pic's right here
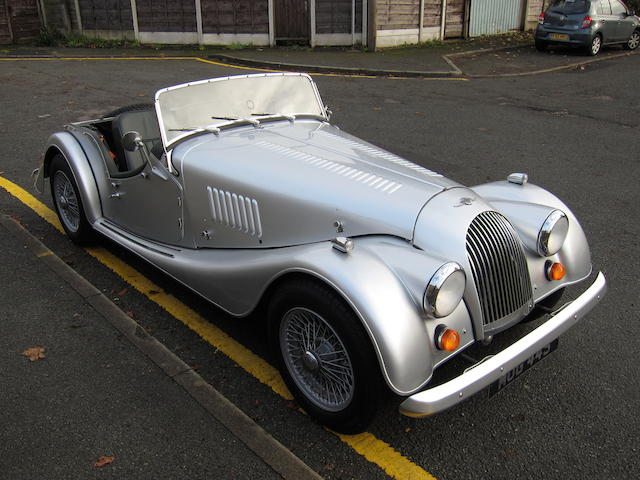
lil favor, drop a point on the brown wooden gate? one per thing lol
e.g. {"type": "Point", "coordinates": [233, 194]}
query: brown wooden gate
{"type": "Point", "coordinates": [292, 21]}
{"type": "Point", "coordinates": [19, 20]}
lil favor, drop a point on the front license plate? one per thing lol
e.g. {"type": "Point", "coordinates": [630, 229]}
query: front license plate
{"type": "Point", "coordinates": [518, 370]}
{"type": "Point", "coordinates": [559, 36]}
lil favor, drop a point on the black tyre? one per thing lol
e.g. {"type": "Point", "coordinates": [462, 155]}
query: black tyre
{"type": "Point", "coordinates": [541, 46]}
{"type": "Point", "coordinates": [546, 306]}
{"type": "Point", "coordinates": [136, 107]}
{"type": "Point", "coordinates": [68, 203]}
{"type": "Point", "coordinates": [325, 356]}
{"type": "Point", "coordinates": [595, 45]}
{"type": "Point", "coordinates": [634, 41]}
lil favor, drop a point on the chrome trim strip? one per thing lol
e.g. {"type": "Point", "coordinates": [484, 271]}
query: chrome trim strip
{"type": "Point", "coordinates": [437, 399]}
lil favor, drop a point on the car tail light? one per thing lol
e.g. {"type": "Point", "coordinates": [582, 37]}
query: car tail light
{"type": "Point", "coordinates": [586, 22]}
{"type": "Point", "coordinates": [541, 18]}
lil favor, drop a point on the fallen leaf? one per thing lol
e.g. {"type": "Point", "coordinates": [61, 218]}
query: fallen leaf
{"type": "Point", "coordinates": [34, 353]}
{"type": "Point", "coordinates": [153, 292]}
{"type": "Point", "coordinates": [130, 314]}
{"type": "Point", "coordinates": [122, 292]}
{"type": "Point", "coordinates": [102, 461]}
{"type": "Point", "coordinates": [407, 430]}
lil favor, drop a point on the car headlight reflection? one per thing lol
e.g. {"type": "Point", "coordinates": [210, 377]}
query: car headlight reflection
{"type": "Point", "coordinates": [444, 290]}
{"type": "Point", "coordinates": [553, 233]}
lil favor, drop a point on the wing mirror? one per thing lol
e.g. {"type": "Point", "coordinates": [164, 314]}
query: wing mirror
{"type": "Point", "coordinates": [132, 141]}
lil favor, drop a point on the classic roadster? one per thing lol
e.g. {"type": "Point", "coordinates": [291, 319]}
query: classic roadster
{"type": "Point", "coordinates": [373, 270]}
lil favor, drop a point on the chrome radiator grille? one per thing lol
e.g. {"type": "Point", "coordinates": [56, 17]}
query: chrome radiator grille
{"type": "Point", "coordinates": [499, 268]}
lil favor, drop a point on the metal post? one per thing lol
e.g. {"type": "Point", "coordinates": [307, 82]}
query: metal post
{"type": "Point", "coordinates": [134, 18]}
{"type": "Point", "coordinates": [199, 21]}
{"type": "Point", "coordinates": [372, 25]}
{"type": "Point", "coordinates": [443, 20]}
{"type": "Point", "coordinates": [272, 32]}
{"type": "Point", "coordinates": [43, 11]}
{"type": "Point", "coordinates": [78, 15]}
{"type": "Point", "coordinates": [8, 14]}
{"type": "Point", "coordinates": [353, 22]}
{"type": "Point", "coordinates": [312, 6]}
{"type": "Point", "coordinates": [364, 22]}
{"type": "Point", "coordinates": [421, 23]}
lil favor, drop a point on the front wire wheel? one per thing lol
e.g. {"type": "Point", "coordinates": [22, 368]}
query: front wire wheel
{"type": "Point", "coordinates": [325, 356]}
{"type": "Point", "coordinates": [317, 359]}
{"type": "Point", "coordinates": [67, 202]}
{"type": "Point", "coordinates": [634, 41]}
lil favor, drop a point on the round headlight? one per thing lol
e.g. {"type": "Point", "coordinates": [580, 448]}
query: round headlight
{"type": "Point", "coordinates": [553, 233]}
{"type": "Point", "coordinates": [444, 290]}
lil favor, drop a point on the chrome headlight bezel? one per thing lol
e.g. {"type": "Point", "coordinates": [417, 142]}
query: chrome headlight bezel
{"type": "Point", "coordinates": [449, 280]}
{"type": "Point", "coordinates": [552, 234]}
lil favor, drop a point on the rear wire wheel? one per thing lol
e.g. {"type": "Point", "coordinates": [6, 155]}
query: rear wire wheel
{"type": "Point", "coordinates": [325, 356]}
{"type": "Point", "coordinates": [68, 203]}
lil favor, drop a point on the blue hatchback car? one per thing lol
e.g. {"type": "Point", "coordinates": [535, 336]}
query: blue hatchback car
{"type": "Point", "coordinates": [588, 24]}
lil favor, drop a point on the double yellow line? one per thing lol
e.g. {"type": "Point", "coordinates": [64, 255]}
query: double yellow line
{"type": "Point", "coordinates": [366, 444]}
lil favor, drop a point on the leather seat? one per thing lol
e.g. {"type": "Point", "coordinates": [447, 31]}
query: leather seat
{"type": "Point", "coordinates": [145, 123]}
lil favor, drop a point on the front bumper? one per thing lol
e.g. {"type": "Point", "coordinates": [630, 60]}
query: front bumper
{"type": "Point", "coordinates": [437, 399]}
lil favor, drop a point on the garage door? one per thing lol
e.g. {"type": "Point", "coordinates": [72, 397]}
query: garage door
{"type": "Point", "coordinates": [487, 17]}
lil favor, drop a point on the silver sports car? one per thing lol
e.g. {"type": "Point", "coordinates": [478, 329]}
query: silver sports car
{"type": "Point", "coordinates": [373, 270]}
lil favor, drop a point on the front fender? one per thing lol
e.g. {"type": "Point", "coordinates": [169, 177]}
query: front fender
{"type": "Point", "coordinates": [75, 153]}
{"type": "Point", "coordinates": [383, 279]}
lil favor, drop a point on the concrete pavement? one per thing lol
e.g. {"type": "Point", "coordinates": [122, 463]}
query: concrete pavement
{"type": "Point", "coordinates": [89, 396]}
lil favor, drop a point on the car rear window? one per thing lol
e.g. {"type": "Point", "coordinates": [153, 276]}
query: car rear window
{"type": "Point", "coordinates": [571, 6]}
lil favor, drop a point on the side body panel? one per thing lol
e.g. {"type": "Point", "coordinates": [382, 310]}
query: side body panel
{"type": "Point", "coordinates": [148, 204]}
{"type": "Point", "coordinates": [381, 278]}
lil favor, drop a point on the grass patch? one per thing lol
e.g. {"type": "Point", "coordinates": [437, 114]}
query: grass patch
{"type": "Point", "coordinates": [51, 37]}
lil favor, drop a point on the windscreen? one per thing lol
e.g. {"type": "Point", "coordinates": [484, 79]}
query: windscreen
{"type": "Point", "coordinates": [214, 102]}
{"type": "Point", "coordinates": [570, 6]}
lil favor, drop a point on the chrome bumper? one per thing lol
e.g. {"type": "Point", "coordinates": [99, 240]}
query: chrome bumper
{"type": "Point", "coordinates": [437, 399]}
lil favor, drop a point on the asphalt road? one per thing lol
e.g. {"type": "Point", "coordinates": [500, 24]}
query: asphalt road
{"type": "Point", "coordinates": [574, 132]}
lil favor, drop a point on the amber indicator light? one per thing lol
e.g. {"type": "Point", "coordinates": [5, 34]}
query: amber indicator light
{"type": "Point", "coordinates": [447, 338]}
{"type": "Point", "coordinates": [556, 271]}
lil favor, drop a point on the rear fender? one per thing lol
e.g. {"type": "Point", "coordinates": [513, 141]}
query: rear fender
{"type": "Point", "coordinates": [75, 153]}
